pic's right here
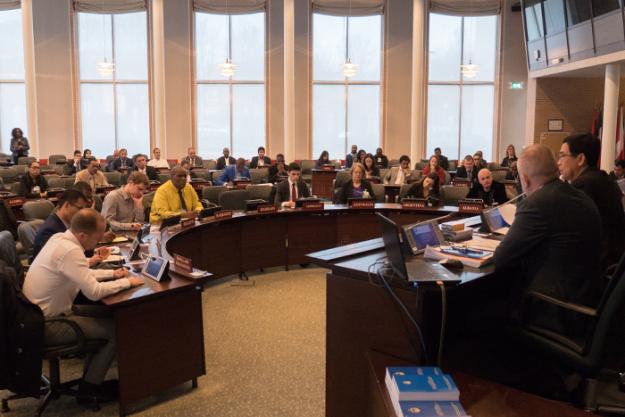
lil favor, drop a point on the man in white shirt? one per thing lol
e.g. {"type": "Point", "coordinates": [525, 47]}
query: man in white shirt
{"type": "Point", "coordinates": [156, 161]}
{"type": "Point", "coordinates": [288, 192]}
{"type": "Point", "coordinates": [56, 276]}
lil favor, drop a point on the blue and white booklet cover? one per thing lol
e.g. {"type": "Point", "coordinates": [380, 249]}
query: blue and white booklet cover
{"type": "Point", "coordinates": [429, 409]}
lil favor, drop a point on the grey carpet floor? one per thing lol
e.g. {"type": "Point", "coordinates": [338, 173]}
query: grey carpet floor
{"type": "Point", "coordinates": [265, 355]}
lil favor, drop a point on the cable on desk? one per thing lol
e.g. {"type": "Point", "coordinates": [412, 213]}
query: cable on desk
{"type": "Point", "coordinates": [380, 274]}
{"type": "Point", "coordinates": [443, 322]}
{"type": "Point", "coordinates": [379, 261]}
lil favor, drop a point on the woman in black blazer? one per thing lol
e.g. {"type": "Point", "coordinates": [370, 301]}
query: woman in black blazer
{"type": "Point", "coordinates": [371, 168]}
{"type": "Point", "coordinates": [427, 188]}
{"type": "Point", "coordinates": [324, 158]}
{"type": "Point", "coordinates": [510, 156]}
{"type": "Point", "coordinates": [357, 187]}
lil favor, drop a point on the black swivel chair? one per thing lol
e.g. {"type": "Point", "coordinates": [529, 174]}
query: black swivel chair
{"type": "Point", "coordinates": [600, 347]}
{"type": "Point", "coordinates": [20, 325]}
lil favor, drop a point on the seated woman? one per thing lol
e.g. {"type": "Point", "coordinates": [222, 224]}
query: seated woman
{"type": "Point", "coordinates": [434, 166]}
{"type": "Point", "coordinates": [357, 187]}
{"type": "Point", "coordinates": [510, 156]}
{"type": "Point", "coordinates": [371, 168]}
{"type": "Point", "coordinates": [324, 159]}
{"type": "Point", "coordinates": [86, 159]}
{"type": "Point", "coordinates": [360, 156]}
{"type": "Point", "coordinates": [428, 188]}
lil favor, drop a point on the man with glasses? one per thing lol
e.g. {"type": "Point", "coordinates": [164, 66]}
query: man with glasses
{"type": "Point", "coordinates": [577, 162]}
{"type": "Point", "coordinates": [141, 165]}
{"type": "Point", "coordinates": [59, 220]}
{"type": "Point", "coordinates": [92, 176]}
{"type": "Point", "coordinates": [123, 208]}
{"type": "Point", "coordinates": [33, 184]}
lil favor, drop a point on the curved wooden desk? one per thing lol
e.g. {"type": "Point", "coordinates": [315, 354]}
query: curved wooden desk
{"type": "Point", "coordinates": [252, 241]}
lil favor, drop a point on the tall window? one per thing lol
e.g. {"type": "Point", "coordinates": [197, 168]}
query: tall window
{"type": "Point", "coordinates": [12, 91]}
{"type": "Point", "coordinates": [461, 106]}
{"type": "Point", "coordinates": [113, 68]}
{"type": "Point", "coordinates": [346, 110]}
{"type": "Point", "coordinates": [230, 109]}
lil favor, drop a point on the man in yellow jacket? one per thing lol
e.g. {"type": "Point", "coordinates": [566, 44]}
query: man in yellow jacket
{"type": "Point", "coordinates": [175, 197]}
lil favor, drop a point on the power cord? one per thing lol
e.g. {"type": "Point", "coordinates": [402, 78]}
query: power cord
{"type": "Point", "coordinates": [380, 273]}
{"type": "Point", "coordinates": [443, 322]}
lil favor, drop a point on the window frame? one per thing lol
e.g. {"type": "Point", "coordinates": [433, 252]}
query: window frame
{"type": "Point", "coordinates": [229, 82]}
{"type": "Point", "coordinates": [77, 82]}
{"type": "Point", "coordinates": [21, 81]}
{"type": "Point", "coordinates": [346, 83]}
{"type": "Point", "coordinates": [496, 83]}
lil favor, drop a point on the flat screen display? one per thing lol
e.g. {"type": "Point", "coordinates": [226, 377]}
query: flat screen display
{"type": "Point", "coordinates": [154, 266]}
{"type": "Point", "coordinates": [424, 235]}
{"type": "Point", "coordinates": [495, 219]}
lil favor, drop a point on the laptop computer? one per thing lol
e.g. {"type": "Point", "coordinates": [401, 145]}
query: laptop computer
{"type": "Point", "coordinates": [423, 234]}
{"type": "Point", "coordinates": [412, 271]}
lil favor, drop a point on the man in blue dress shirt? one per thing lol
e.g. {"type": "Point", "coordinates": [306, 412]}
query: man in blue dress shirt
{"type": "Point", "coordinates": [233, 172]}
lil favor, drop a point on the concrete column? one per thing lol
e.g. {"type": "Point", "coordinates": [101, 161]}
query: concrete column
{"type": "Point", "coordinates": [530, 113]}
{"type": "Point", "coordinates": [29, 77]}
{"type": "Point", "coordinates": [610, 114]}
{"type": "Point", "coordinates": [418, 114]}
{"type": "Point", "coordinates": [289, 80]}
{"type": "Point", "coordinates": [158, 65]}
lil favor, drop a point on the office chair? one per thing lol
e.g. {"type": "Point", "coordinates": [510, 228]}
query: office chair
{"type": "Point", "coordinates": [113, 178]}
{"type": "Point", "coordinates": [25, 160]}
{"type": "Point", "coordinates": [450, 194]}
{"type": "Point", "coordinates": [262, 192]}
{"type": "Point", "coordinates": [212, 193]}
{"type": "Point", "coordinates": [148, 198]}
{"type": "Point", "coordinates": [201, 173]}
{"type": "Point", "coordinates": [52, 159]}
{"type": "Point", "coordinates": [39, 209]}
{"type": "Point", "coordinates": [209, 164]}
{"type": "Point", "coordinates": [259, 175]}
{"type": "Point", "coordinates": [24, 325]}
{"type": "Point", "coordinates": [342, 177]}
{"type": "Point", "coordinates": [307, 166]}
{"type": "Point", "coordinates": [163, 177]}
{"type": "Point", "coordinates": [26, 233]}
{"type": "Point", "coordinates": [234, 200]}
{"type": "Point", "coordinates": [587, 354]}
{"type": "Point", "coordinates": [8, 175]}
{"type": "Point", "coordinates": [378, 190]}
{"type": "Point", "coordinates": [216, 175]}
{"type": "Point", "coordinates": [56, 182]}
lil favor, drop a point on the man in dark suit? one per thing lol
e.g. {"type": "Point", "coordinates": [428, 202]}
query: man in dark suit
{"type": "Point", "coordinates": [123, 163]}
{"type": "Point", "coordinates": [468, 169]}
{"type": "Point", "coordinates": [278, 171]}
{"type": "Point", "coordinates": [192, 158]}
{"type": "Point", "coordinates": [619, 170]}
{"type": "Point", "coordinates": [488, 189]}
{"type": "Point", "coordinates": [225, 160]}
{"type": "Point", "coordinates": [287, 192]}
{"type": "Point", "coordinates": [443, 161]}
{"type": "Point", "coordinates": [351, 157]}
{"type": "Point", "coordinates": [33, 184]}
{"type": "Point", "coordinates": [59, 220]}
{"type": "Point", "coordinates": [577, 163]}
{"type": "Point", "coordinates": [141, 165]}
{"type": "Point", "coordinates": [554, 241]}
{"type": "Point", "coordinates": [261, 160]}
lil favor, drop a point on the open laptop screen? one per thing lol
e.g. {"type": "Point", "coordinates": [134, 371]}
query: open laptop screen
{"type": "Point", "coordinates": [495, 220]}
{"type": "Point", "coordinates": [392, 244]}
{"type": "Point", "coordinates": [422, 235]}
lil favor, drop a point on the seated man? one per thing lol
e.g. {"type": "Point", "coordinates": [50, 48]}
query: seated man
{"type": "Point", "coordinates": [123, 163]}
{"type": "Point", "coordinates": [234, 172]}
{"type": "Point", "coordinates": [480, 162]}
{"type": "Point", "coordinates": [57, 275]}
{"type": "Point", "coordinates": [156, 161]}
{"type": "Point", "coordinates": [73, 165]}
{"type": "Point", "coordinates": [467, 170]}
{"type": "Point", "coordinates": [33, 184]}
{"type": "Point", "coordinates": [350, 158]}
{"type": "Point", "coordinates": [140, 162]}
{"type": "Point", "coordinates": [175, 197]}
{"type": "Point", "coordinates": [554, 242]}
{"type": "Point", "coordinates": [381, 160]}
{"type": "Point", "coordinates": [577, 162]}
{"type": "Point", "coordinates": [278, 171]}
{"type": "Point", "coordinates": [260, 160]}
{"type": "Point", "coordinates": [123, 208]}
{"type": "Point", "coordinates": [443, 161]}
{"type": "Point", "coordinates": [110, 160]}
{"type": "Point", "coordinates": [225, 160]}
{"type": "Point", "coordinates": [488, 189]}
{"type": "Point", "coordinates": [619, 170]}
{"type": "Point", "coordinates": [287, 192]}
{"type": "Point", "coordinates": [192, 158]}
{"type": "Point", "coordinates": [400, 175]}
{"type": "Point", "coordinates": [93, 176]}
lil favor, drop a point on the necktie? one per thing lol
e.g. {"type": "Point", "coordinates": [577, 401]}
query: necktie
{"type": "Point", "coordinates": [293, 192]}
{"type": "Point", "coordinates": [183, 204]}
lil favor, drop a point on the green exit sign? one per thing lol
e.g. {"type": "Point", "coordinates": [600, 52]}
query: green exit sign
{"type": "Point", "coordinates": [516, 85]}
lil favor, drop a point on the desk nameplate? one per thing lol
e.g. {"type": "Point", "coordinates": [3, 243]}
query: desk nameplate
{"type": "Point", "coordinates": [182, 263]}
{"type": "Point", "coordinates": [223, 214]}
{"type": "Point", "coordinates": [470, 206]}
{"type": "Point", "coordinates": [266, 208]}
{"type": "Point", "coordinates": [361, 203]}
{"type": "Point", "coordinates": [187, 223]}
{"type": "Point", "coordinates": [414, 203]}
{"type": "Point", "coordinates": [312, 205]}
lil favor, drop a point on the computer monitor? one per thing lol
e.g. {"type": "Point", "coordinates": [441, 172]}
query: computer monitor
{"type": "Point", "coordinates": [423, 234]}
{"type": "Point", "coordinates": [155, 268]}
{"type": "Point", "coordinates": [494, 221]}
{"type": "Point", "coordinates": [392, 244]}
{"type": "Point", "coordinates": [143, 232]}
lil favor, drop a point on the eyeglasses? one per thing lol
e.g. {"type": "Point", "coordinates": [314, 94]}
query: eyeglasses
{"type": "Point", "coordinates": [564, 155]}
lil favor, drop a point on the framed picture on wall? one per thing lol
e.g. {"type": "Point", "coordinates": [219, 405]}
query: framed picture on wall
{"type": "Point", "coordinates": [555, 125]}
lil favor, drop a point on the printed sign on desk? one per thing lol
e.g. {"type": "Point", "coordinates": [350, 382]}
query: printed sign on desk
{"type": "Point", "coordinates": [223, 214]}
{"type": "Point", "coordinates": [361, 203]}
{"type": "Point", "coordinates": [414, 203]}
{"type": "Point", "coordinates": [183, 264]}
{"type": "Point", "coordinates": [186, 223]}
{"type": "Point", "coordinates": [266, 208]}
{"type": "Point", "coordinates": [470, 206]}
{"type": "Point", "coordinates": [312, 205]}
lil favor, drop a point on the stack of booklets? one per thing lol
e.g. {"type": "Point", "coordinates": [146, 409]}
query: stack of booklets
{"type": "Point", "coordinates": [423, 391]}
